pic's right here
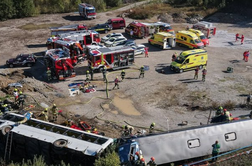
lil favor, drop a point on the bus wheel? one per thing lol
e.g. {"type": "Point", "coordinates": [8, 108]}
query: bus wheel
{"type": "Point", "coordinates": [6, 129]}
{"type": "Point", "coordinates": [60, 143]}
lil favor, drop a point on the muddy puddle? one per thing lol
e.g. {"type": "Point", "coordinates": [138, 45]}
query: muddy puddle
{"type": "Point", "coordinates": [125, 106]}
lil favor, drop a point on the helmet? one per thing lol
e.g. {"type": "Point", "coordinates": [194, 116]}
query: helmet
{"type": "Point", "coordinates": [48, 68]}
{"type": "Point", "coordinates": [54, 105]}
{"type": "Point", "coordinates": [88, 71]}
{"type": "Point", "coordinates": [225, 110]}
{"type": "Point", "coordinates": [220, 107]}
{"type": "Point", "coordinates": [46, 109]}
{"type": "Point", "coordinates": [142, 159]}
{"type": "Point", "coordinates": [95, 129]}
{"type": "Point", "coordinates": [153, 123]}
{"type": "Point", "coordinates": [116, 76]}
{"type": "Point", "coordinates": [137, 153]}
{"type": "Point", "coordinates": [15, 90]}
{"type": "Point", "coordinates": [122, 70]}
{"type": "Point", "coordinates": [142, 66]}
{"type": "Point", "coordinates": [152, 159]}
{"type": "Point", "coordinates": [5, 105]}
{"type": "Point", "coordinates": [20, 92]}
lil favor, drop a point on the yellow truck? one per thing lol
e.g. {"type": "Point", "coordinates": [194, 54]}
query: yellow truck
{"type": "Point", "coordinates": [188, 39]}
{"type": "Point", "coordinates": [163, 40]}
{"type": "Point", "coordinates": [190, 60]}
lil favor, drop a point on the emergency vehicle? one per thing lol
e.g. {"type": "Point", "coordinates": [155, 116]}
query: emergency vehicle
{"type": "Point", "coordinates": [201, 36]}
{"type": "Point", "coordinates": [117, 23]}
{"type": "Point", "coordinates": [190, 60]}
{"type": "Point", "coordinates": [85, 37]}
{"type": "Point", "coordinates": [163, 40]}
{"type": "Point", "coordinates": [161, 26]}
{"type": "Point", "coordinates": [112, 58]}
{"type": "Point", "coordinates": [139, 30]}
{"type": "Point", "coordinates": [75, 49]}
{"type": "Point", "coordinates": [60, 63]}
{"type": "Point", "coordinates": [68, 28]}
{"type": "Point", "coordinates": [206, 27]}
{"type": "Point", "coordinates": [87, 11]}
{"type": "Point", "coordinates": [188, 39]}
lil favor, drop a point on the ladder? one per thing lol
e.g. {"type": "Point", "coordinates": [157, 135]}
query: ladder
{"type": "Point", "coordinates": [7, 152]}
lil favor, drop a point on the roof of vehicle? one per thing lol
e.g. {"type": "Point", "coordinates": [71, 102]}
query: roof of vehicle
{"type": "Point", "coordinates": [57, 54]}
{"type": "Point", "coordinates": [192, 52]}
{"type": "Point", "coordinates": [135, 23]}
{"type": "Point", "coordinates": [115, 19]}
{"type": "Point", "coordinates": [198, 32]}
{"type": "Point", "coordinates": [188, 33]}
{"type": "Point", "coordinates": [106, 50]}
{"type": "Point", "coordinates": [157, 24]}
{"type": "Point", "coordinates": [66, 27]}
{"type": "Point", "coordinates": [164, 34]}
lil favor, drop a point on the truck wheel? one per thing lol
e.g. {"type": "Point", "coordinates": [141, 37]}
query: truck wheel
{"type": "Point", "coordinates": [60, 143]}
{"type": "Point", "coordinates": [200, 67]}
{"type": "Point", "coordinates": [181, 70]}
{"type": "Point", "coordinates": [29, 64]}
{"type": "Point", "coordinates": [11, 65]}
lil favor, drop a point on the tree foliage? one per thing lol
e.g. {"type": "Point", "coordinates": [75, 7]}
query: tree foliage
{"type": "Point", "coordinates": [111, 159]}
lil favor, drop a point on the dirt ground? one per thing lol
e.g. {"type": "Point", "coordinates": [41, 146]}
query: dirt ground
{"type": "Point", "coordinates": [166, 98]}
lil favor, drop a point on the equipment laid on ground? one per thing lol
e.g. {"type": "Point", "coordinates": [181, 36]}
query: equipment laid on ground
{"type": "Point", "coordinates": [188, 39]}
{"type": "Point", "coordinates": [163, 40]}
{"type": "Point", "coordinates": [189, 60]}
{"type": "Point", "coordinates": [67, 28]}
{"type": "Point", "coordinates": [206, 27]}
{"type": "Point", "coordinates": [54, 142]}
{"type": "Point", "coordinates": [181, 145]}
{"type": "Point", "coordinates": [60, 63]}
{"type": "Point", "coordinates": [87, 11]}
{"type": "Point", "coordinates": [112, 58]}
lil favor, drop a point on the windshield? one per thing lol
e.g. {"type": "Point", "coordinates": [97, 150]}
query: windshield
{"type": "Point", "coordinates": [90, 10]}
{"type": "Point", "coordinates": [112, 39]}
{"type": "Point", "coordinates": [180, 59]}
{"type": "Point", "coordinates": [197, 41]}
{"type": "Point", "coordinates": [202, 37]}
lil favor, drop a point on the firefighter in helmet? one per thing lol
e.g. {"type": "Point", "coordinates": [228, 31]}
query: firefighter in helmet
{"type": "Point", "coordinates": [49, 74]}
{"type": "Point", "coordinates": [141, 72]}
{"type": "Point", "coordinates": [44, 115]}
{"type": "Point", "coordinates": [55, 112]}
{"type": "Point", "coordinates": [123, 75]}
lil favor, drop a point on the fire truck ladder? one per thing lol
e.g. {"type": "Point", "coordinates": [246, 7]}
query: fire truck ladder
{"type": "Point", "coordinates": [7, 152]}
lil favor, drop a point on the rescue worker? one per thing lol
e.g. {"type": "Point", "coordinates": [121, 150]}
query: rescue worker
{"type": "Point", "coordinates": [242, 39]}
{"type": "Point", "coordinates": [227, 114]}
{"type": "Point", "coordinates": [196, 73]}
{"type": "Point", "coordinates": [5, 108]}
{"type": "Point", "coordinates": [146, 52]}
{"type": "Point", "coordinates": [152, 162]}
{"type": "Point", "coordinates": [142, 162]}
{"type": "Point", "coordinates": [204, 72]}
{"type": "Point", "coordinates": [237, 37]}
{"type": "Point", "coordinates": [123, 75]}
{"type": "Point", "coordinates": [54, 112]}
{"type": "Point", "coordinates": [128, 130]}
{"type": "Point", "coordinates": [152, 127]}
{"type": "Point", "coordinates": [246, 56]}
{"type": "Point", "coordinates": [44, 115]}
{"type": "Point", "coordinates": [49, 74]}
{"type": "Point", "coordinates": [21, 98]}
{"type": "Point", "coordinates": [215, 151]}
{"type": "Point", "coordinates": [94, 131]}
{"type": "Point", "coordinates": [141, 72]}
{"type": "Point", "coordinates": [219, 111]}
{"type": "Point", "coordinates": [116, 83]}
{"type": "Point", "coordinates": [27, 116]}
{"type": "Point", "coordinates": [174, 56]}
{"type": "Point", "coordinates": [104, 73]}
{"type": "Point", "coordinates": [138, 157]}
{"type": "Point", "coordinates": [87, 75]}
{"type": "Point", "coordinates": [131, 33]}
{"type": "Point", "coordinates": [15, 94]}
{"type": "Point", "coordinates": [92, 73]}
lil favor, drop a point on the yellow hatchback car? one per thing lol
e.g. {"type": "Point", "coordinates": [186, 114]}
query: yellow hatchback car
{"type": "Point", "coordinates": [190, 60]}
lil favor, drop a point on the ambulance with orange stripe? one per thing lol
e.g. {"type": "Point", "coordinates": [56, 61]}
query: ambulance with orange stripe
{"type": "Point", "coordinates": [190, 60]}
{"type": "Point", "coordinates": [188, 39]}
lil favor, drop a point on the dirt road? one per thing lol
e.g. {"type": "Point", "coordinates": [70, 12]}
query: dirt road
{"type": "Point", "coordinates": [166, 99]}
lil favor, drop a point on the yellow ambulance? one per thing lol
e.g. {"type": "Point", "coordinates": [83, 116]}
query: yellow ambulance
{"type": "Point", "coordinates": [201, 36]}
{"type": "Point", "coordinates": [163, 40]}
{"type": "Point", "coordinates": [188, 39]}
{"type": "Point", "coordinates": [190, 60]}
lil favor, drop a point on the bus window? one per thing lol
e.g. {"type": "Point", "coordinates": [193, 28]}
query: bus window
{"type": "Point", "coordinates": [193, 143]}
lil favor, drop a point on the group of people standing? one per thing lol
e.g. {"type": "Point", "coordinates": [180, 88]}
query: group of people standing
{"type": "Point", "coordinates": [138, 160]}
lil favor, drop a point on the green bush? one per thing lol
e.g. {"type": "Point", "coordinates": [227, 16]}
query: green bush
{"type": "Point", "coordinates": [111, 159]}
{"type": "Point", "coordinates": [6, 9]}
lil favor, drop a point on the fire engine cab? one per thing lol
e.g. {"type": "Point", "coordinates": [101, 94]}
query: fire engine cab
{"type": "Point", "coordinates": [206, 27]}
{"type": "Point", "coordinates": [75, 49]}
{"type": "Point", "coordinates": [112, 58]}
{"type": "Point", "coordinates": [60, 63]}
{"type": "Point", "coordinates": [87, 11]}
{"type": "Point", "coordinates": [86, 37]}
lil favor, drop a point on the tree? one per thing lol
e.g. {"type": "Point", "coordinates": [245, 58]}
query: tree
{"type": "Point", "coordinates": [23, 8]}
{"type": "Point", "coordinates": [111, 159]}
{"type": "Point", "coordinates": [113, 3]}
{"type": "Point", "coordinates": [6, 9]}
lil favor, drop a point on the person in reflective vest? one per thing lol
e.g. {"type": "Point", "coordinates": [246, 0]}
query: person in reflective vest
{"type": "Point", "coordinates": [141, 72]}
{"type": "Point", "coordinates": [49, 74]}
{"type": "Point", "coordinates": [21, 99]}
{"type": "Point", "coordinates": [152, 162]}
{"type": "Point", "coordinates": [123, 75]}
{"type": "Point", "coordinates": [44, 115]}
{"type": "Point", "coordinates": [55, 112]}
{"type": "Point", "coordinates": [15, 94]}
{"type": "Point", "coordinates": [215, 151]}
{"type": "Point", "coordinates": [204, 72]}
{"type": "Point", "coordinates": [87, 75]}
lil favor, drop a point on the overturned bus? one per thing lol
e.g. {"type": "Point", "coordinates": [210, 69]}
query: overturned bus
{"type": "Point", "coordinates": [54, 142]}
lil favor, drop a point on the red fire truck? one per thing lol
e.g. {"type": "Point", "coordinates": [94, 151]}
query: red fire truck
{"type": "Point", "coordinates": [68, 28]}
{"type": "Point", "coordinates": [139, 30]}
{"type": "Point", "coordinates": [206, 27]}
{"type": "Point", "coordinates": [60, 63]}
{"type": "Point", "coordinates": [112, 58]}
{"type": "Point", "coordinates": [75, 49]}
{"type": "Point", "coordinates": [85, 37]}
{"type": "Point", "coordinates": [87, 11]}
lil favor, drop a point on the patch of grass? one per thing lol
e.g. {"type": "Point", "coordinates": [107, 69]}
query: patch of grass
{"type": "Point", "coordinates": [32, 26]}
{"type": "Point", "coordinates": [229, 104]}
